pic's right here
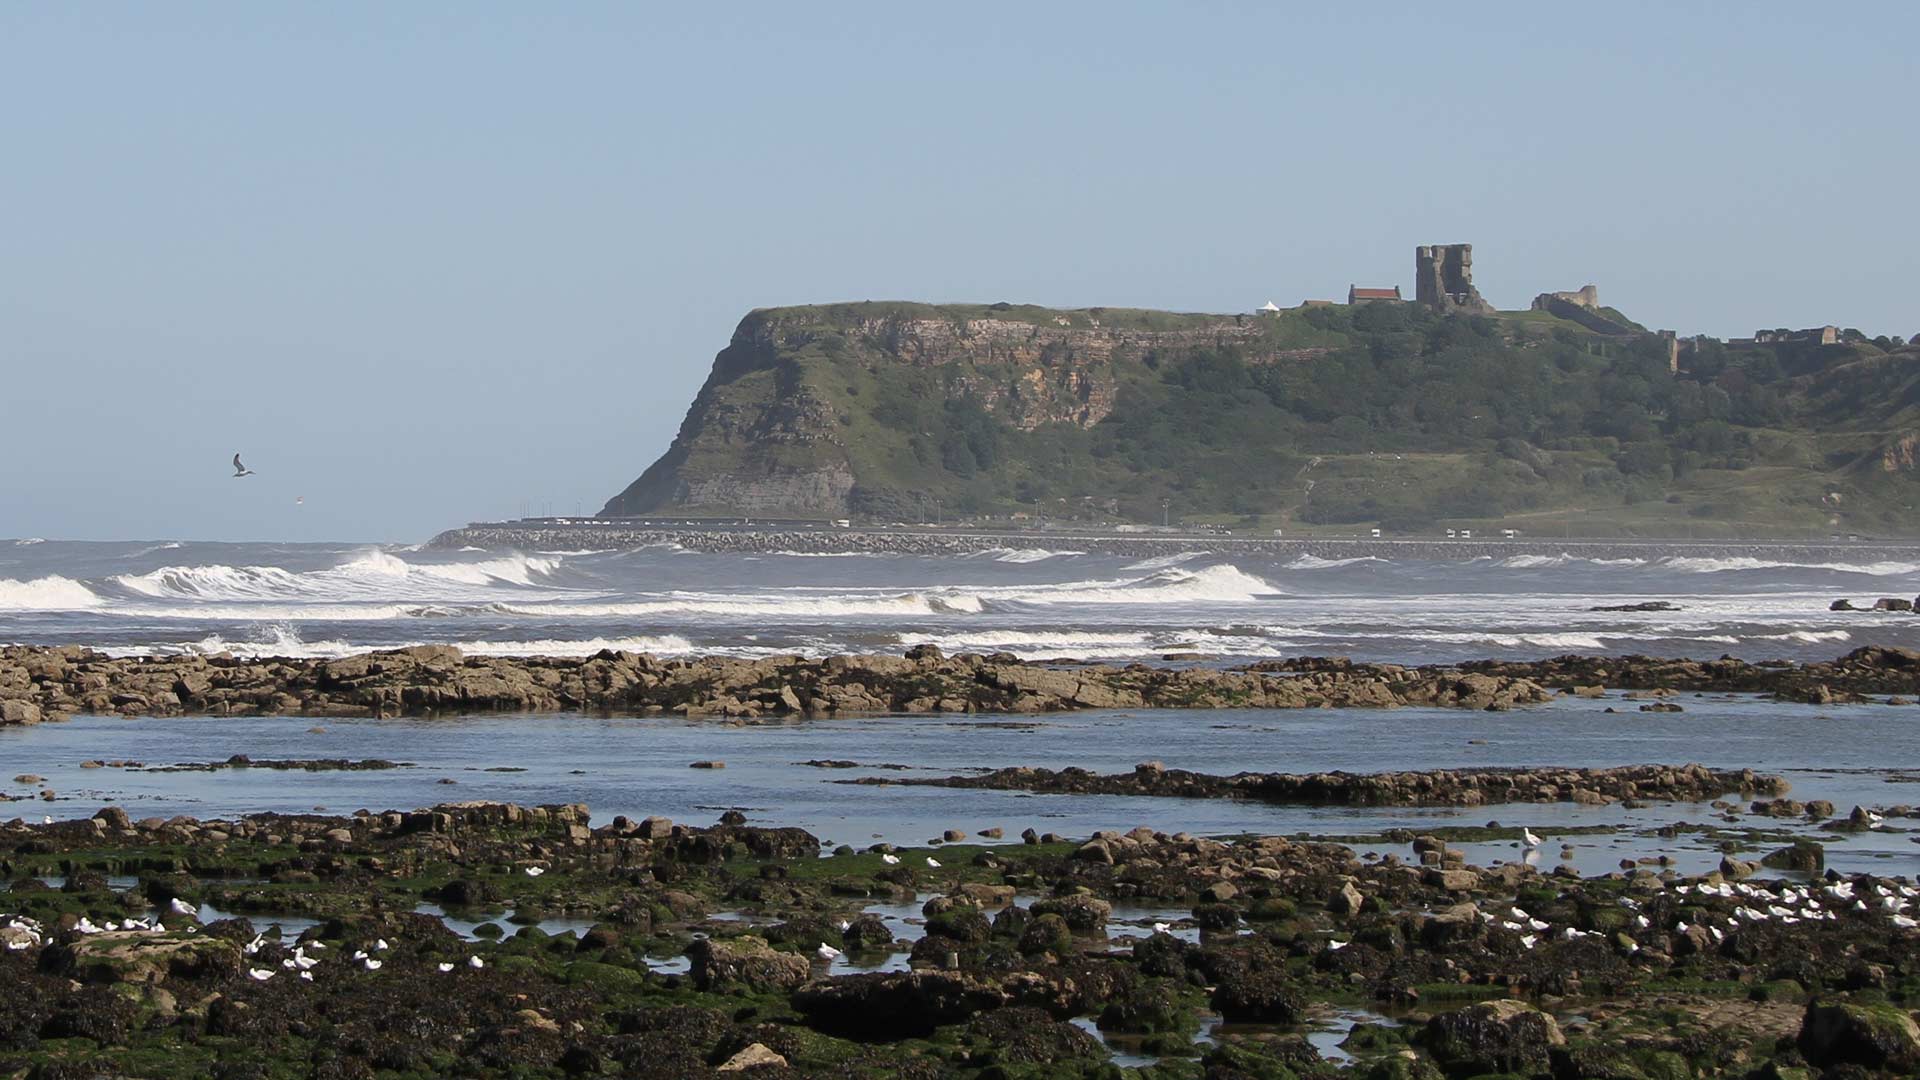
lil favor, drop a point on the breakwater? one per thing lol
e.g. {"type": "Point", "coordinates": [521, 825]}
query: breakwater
{"type": "Point", "coordinates": [807, 540]}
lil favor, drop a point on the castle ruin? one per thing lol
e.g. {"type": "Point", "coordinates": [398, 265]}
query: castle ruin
{"type": "Point", "coordinates": [1587, 296]}
{"type": "Point", "coordinates": [1443, 279]}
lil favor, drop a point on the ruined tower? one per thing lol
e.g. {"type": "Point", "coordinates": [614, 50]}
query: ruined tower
{"type": "Point", "coordinates": [1443, 279]}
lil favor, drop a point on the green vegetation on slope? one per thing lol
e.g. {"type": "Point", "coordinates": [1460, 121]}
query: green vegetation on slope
{"type": "Point", "coordinates": [1322, 417]}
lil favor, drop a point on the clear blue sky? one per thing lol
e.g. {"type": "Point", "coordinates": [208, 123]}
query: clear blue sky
{"type": "Point", "coordinates": [427, 262]}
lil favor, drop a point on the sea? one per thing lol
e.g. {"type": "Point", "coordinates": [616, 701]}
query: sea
{"type": "Point", "coordinates": [318, 600]}
{"type": "Point", "coordinates": [1199, 605]}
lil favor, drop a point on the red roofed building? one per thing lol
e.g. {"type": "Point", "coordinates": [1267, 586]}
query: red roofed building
{"type": "Point", "coordinates": [1358, 295]}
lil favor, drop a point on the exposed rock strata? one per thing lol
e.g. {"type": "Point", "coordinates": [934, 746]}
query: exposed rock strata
{"type": "Point", "coordinates": [51, 682]}
{"type": "Point", "coordinates": [437, 678]}
{"type": "Point", "coordinates": [1445, 787]}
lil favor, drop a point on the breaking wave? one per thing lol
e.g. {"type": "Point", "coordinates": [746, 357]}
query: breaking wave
{"type": "Point", "coordinates": [370, 574]}
{"type": "Point", "coordinates": [50, 593]}
{"type": "Point", "coordinates": [1700, 565]}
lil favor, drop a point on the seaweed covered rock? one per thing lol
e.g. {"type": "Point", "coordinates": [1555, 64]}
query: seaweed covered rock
{"type": "Point", "coordinates": [1873, 1036]}
{"type": "Point", "coordinates": [888, 1006]}
{"type": "Point", "coordinates": [1504, 1036]}
{"type": "Point", "coordinates": [747, 962]}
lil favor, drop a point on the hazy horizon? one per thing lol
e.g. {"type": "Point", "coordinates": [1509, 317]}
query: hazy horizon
{"type": "Point", "coordinates": [431, 264]}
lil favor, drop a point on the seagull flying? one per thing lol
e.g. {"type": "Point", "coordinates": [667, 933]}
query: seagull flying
{"type": "Point", "coordinates": [240, 470]}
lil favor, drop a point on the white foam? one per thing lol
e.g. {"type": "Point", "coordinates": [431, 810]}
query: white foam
{"type": "Point", "coordinates": [1023, 555]}
{"type": "Point", "coordinates": [1808, 637]}
{"type": "Point", "coordinates": [1161, 562]}
{"type": "Point", "coordinates": [1315, 562]}
{"type": "Point", "coordinates": [1702, 565]}
{"type": "Point", "coordinates": [368, 575]}
{"type": "Point", "coordinates": [50, 593]}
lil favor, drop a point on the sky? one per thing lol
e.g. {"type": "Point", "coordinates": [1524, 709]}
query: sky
{"type": "Point", "coordinates": [430, 263]}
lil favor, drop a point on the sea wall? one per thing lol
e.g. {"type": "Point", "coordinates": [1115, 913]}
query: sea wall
{"type": "Point", "coordinates": [766, 539]}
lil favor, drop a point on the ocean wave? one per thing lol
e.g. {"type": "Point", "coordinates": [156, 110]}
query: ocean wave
{"type": "Point", "coordinates": [1807, 637]}
{"type": "Point", "coordinates": [50, 593]}
{"type": "Point", "coordinates": [1703, 565]}
{"type": "Point", "coordinates": [1222, 583]}
{"type": "Point", "coordinates": [1315, 562]}
{"type": "Point", "coordinates": [1162, 562]}
{"type": "Point", "coordinates": [1095, 645]}
{"type": "Point", "coordinates": [374, 573]}
{"type": "Point", "coordinates": [1542, 562]}
{"type": "Point", "coordinates": [1022, 555]}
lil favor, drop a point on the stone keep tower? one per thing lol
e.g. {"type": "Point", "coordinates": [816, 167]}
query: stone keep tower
{"type": "Point", "coordinates": [1443, 279]}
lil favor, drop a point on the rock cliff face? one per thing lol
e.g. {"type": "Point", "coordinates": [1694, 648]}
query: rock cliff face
{"type": "Point", "coordinates": [782, 428]}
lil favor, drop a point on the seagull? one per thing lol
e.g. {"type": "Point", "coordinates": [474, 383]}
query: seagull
{"type": "Point", "coordinates": [1905, 923]}
{"type": "Point", "coordinates": [889, 859]}
{"type": "Point", "coordinates": [1529, 941]}
{"type": "Point", "coordinates": [1336, 946]}
{"type": "Point", "coordinates": [371, 964]}
{"type": "Point", "coordinates": [307, 975]}
{"type": "Point", "coordinates": [827, 952]}
{"type": "Point", "coordinates": [240, 470]}
{"type": "Point", "coordinates": [181, 907]}
{"type": "Point", "coordinates": [1161, 928]}
{"type": "Point", "coordinates": [1527, 837]}
{"type": "Point", "coordinates": [933, 862]}
{"type": "Point", "coordinates": [535, 871]}
{"type": "Point", "coordinates": [845, 926]}
{"type": "Point", "coordinates": [475, 962]}
{"type": "Point", "coordinates": [444, 968]}
{"type": "Point", "coordinates": [47, 820]}
{"type": "Point", "coordinates": [260, 974]}
{"type": "Point", "coordinates": [380, 945]}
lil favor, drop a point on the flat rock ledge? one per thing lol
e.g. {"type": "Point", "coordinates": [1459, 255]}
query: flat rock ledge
{"type": "Point", "coordinates": [1440, 787]}
{"type": "Point", "coordinates": [41, 683]}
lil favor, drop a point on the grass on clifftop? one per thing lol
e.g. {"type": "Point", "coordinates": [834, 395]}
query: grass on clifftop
{"type": "Point", "coordinates": [1318, 419]}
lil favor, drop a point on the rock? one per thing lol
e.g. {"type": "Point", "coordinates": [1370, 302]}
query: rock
{"type": "Point", "coordinates": [1347, 901]}
{"type": "Point", "coordinates": [1892, 603]}
{"type": "Point", "coordinates": [19, 712]}
{"type": "Point", "coordinates": [707, 765]}
{"type": "Point", "coordinates": [753, 1056]}
{"type": "Point", "coordinates": [1453, 880]}
{"type": "Point", "coordinates": [1253, 985]}
{"type": "Point", "coordinates": [890, 1006]}
{"type": "Point", "coordinates": [113, 817]}
{"type": "Point", "coordinates": [1842, 605]}
{"type": "Point", "coordinates": [1504, 1036]}
{"type": "Point", "coordinates": [1219, 892]}
{"type": "Point", "coordinates": [1802, 855]}
{"type": "Point", "coordinates": [136, 957]}
{"type": "Point", "coordinates": [1082, 913]}
{"type": "Point", "coordinates": [1870, 1036]}
{"type": "Point", "coordinates": [747, 962]}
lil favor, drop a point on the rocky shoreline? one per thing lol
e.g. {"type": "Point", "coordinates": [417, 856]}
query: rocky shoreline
{"type": "Point", "coordinates": [51, 682]}
{"type": "Point", "coordinates": [1442, 787]}
{"type": "Point", "coordinates": [694, 951]}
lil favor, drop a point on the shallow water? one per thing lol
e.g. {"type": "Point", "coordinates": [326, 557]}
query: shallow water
{"type": "Point", "coordinates": [638, 766]}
